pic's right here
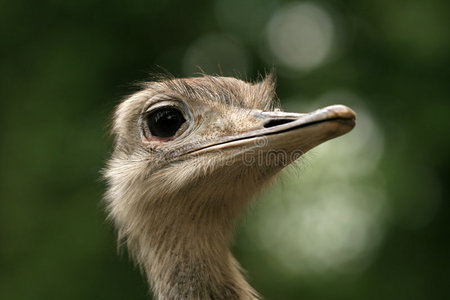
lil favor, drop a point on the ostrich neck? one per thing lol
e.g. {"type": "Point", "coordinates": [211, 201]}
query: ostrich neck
{"type": "Point", "coordinates": [184, 251]}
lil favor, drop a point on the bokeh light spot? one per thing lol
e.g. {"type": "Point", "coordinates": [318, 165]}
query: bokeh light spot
{"type": "Point", "coordinates": [301, 36]}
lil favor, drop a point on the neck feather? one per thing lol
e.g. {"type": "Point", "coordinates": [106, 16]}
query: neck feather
{"type": "Point", "coordinates": [183, 249]}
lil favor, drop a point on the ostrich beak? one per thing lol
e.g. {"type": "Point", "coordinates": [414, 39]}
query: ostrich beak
{"type": "Point", "coordinates": [289, 132]}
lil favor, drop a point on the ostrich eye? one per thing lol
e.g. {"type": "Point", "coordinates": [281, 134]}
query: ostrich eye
{"type": "Point", "coordinates": [165, 122]}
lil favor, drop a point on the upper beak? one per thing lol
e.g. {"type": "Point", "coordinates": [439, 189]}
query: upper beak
{"type": "Point", "coordinates": [277, 121]}
{"type": "Point", "coordinates": [289, 131]}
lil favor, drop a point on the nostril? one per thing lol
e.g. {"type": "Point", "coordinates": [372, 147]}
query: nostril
{"type": "Point", "coordinates": [276, 122]}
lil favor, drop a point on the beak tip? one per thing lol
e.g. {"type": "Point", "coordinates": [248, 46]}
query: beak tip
{"type": "Point", "coordinates": [343, 111]}
{"type": "Point", "coordinates": [344, 116]}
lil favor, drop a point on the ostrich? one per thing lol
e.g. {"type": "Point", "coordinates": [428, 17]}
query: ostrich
{"type": "Point", "coordinates": [189, 156]}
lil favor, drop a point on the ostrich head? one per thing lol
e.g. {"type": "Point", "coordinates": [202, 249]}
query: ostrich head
{"type": "Point", "coordinates": [189, 155]}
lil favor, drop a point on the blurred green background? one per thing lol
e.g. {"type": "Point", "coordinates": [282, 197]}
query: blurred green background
{"type": "Point", "coordinates": [362, 217]}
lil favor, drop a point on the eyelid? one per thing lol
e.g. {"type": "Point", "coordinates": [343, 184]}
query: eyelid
{"type": "Point", "coordinates": [170, 102]}
{"type": "Point", "coordinates": [162, 101]}
{"type": "Point", "coordinates": [162, 105]}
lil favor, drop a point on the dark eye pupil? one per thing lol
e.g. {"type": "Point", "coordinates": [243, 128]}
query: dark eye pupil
{"type": "Point", "coordinates": [165, 122]}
